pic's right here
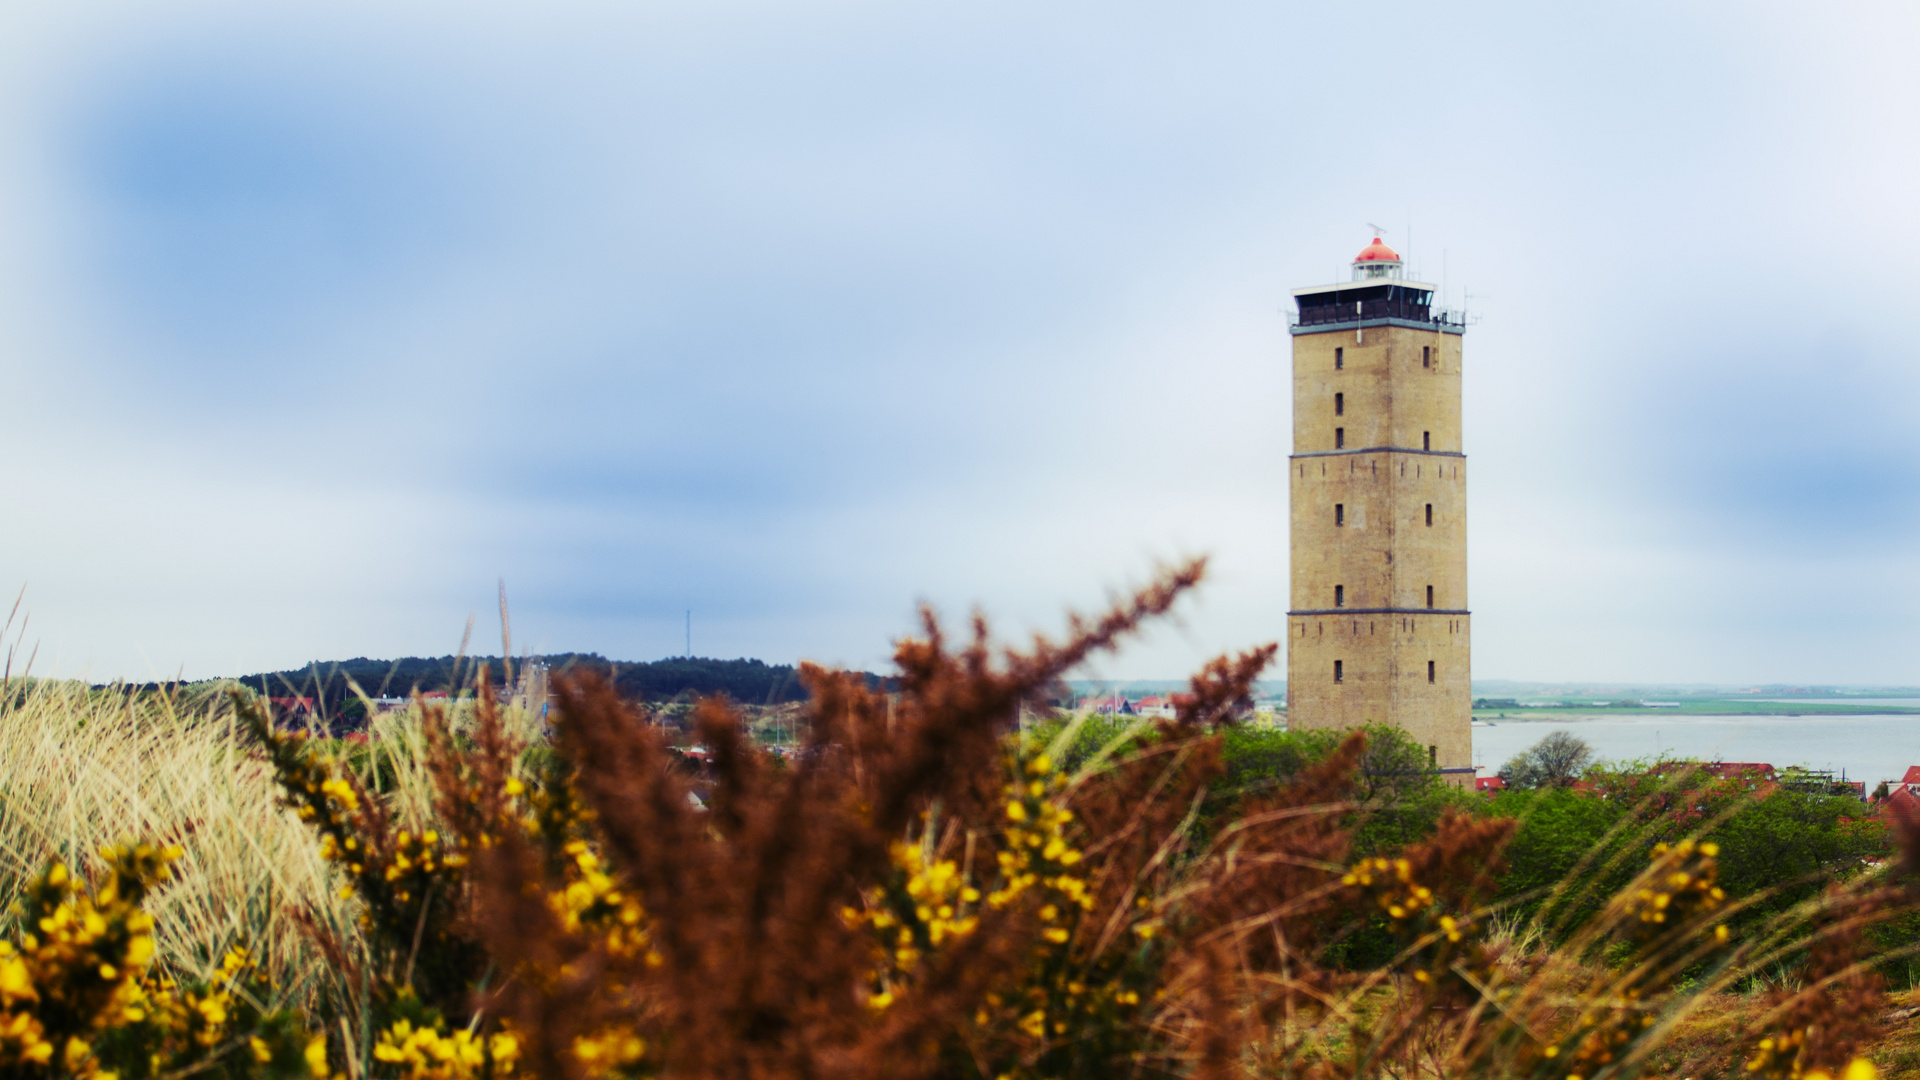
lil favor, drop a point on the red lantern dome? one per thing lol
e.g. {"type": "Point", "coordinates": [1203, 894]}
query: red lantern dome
{"type": "Point", "coordinates": [1377, 251]}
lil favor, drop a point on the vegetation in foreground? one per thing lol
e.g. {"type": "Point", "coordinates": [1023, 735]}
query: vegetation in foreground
{"type": "Point", "coordinates": [922, 891]}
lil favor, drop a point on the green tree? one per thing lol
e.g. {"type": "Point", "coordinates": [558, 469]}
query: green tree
{"type": "Point", "coordinates": [1778, 847]}
{"type": "Point", "coordinates": [1555, 761]}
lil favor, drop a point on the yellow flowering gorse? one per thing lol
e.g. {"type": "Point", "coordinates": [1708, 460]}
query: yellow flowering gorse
{"type": "Point", "coordinates": [74, 968]}
{"type": "Point", "coordinates": [933, 903]}
{"type": "Point", "coordinates": [1680, 888]}
{"type": "Point", "coordinates": [1665, 917]}
{"type": "Point", "coordinates": [425, 1053]}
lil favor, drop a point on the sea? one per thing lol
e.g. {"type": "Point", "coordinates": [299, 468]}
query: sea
{"type": "Point", "coordinates": [1870, 747]}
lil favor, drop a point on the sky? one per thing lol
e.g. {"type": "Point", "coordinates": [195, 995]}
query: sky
{"type": "Point", "coordinates": [320, 321]}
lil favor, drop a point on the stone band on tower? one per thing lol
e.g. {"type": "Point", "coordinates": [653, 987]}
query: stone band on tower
{"type": "Point", "coordinates": [1379, 629]}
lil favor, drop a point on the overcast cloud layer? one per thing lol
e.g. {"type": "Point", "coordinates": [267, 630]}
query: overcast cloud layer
{"type": "Point", "coordinates": [318, 319]}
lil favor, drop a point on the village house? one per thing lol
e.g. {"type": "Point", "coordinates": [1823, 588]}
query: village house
{"type": "Point", "coordinates": [1155, 705]}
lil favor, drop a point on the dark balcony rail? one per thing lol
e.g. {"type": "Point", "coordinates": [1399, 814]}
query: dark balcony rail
{"type": "Point", "coordinates": [1363, 310]}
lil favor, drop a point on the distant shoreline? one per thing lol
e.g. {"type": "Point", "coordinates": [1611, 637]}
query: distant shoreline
{"type": "Point", "coordinates": [1727, 709]}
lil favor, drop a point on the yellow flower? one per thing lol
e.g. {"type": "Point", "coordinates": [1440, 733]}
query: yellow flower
{"type": "Point", "coordinates": [608, 1051]}
{"type": "Point", "coordinates": [506, 1048]}
{"type": "Point", "coordinates": [14, 980]}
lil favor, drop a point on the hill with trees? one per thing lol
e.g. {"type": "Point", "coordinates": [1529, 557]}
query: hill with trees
{"type": "Point", "coordinates": [332, 683]}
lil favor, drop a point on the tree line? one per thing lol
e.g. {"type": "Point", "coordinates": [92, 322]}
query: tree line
{"type": "Point", "coordinates": [335, 687]}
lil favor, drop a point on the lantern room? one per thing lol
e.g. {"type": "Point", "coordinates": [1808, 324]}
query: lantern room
{"type": "Point", "coordinates": [1376, 260]}
{"type": "Point", "coordinates": [1380, 292]}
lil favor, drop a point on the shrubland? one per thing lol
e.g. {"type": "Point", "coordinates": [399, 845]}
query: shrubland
{"type": "Point", "coordinates": [923, 890]}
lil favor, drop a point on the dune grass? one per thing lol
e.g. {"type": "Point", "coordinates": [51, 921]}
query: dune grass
{"type": "Point", "coordinates": [81, 769]}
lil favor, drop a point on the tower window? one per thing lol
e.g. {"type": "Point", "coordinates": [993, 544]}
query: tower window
{"type": "Point", "coordinates": [1339, 404]}
{"type": "Point", "coordinates": [1429, 596]}
{"type": "Point", "coordinates": [1339, 596]}
{"type": "Point", "coordinates": [1433, 757]}
{"type": "Point", "coordinates": [1339, 437]}
{"type": "Point", "coordinates": [1429, 515]}
{"type": "Point", "coordinates": [1339, 514]}
{"type": "Point", "coordinates": [1429, 671]}
{"type": "Point", "coordinates": [1339, 359]}
{"type": "Point", "coordinates": [1338, 675]}
{"type": "Point", "coordinates": [1426, 440]}
{"type": "Point", "coordinates": [1426, 356]}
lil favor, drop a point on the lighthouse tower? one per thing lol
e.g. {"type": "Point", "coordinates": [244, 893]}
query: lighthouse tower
{"type": "Point", "coordinates": [1378, 630]}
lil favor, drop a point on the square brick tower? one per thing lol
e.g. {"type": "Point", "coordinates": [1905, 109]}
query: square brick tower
{"type": "Point", "coordinates": [1379, 629]}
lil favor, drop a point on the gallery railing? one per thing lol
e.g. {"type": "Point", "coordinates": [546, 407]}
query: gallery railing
{"type": "Point", "coordinates": [1364, 310]}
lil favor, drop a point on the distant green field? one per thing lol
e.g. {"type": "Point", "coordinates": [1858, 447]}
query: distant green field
{"type": "Point", "coordinates": [1698, 707]}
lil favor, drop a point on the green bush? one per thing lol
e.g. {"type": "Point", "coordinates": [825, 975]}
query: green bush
{"type": "Point", "coordinates": [1778, 847]}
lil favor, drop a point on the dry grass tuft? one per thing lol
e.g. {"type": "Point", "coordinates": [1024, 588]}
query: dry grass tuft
{"type": "Point", "coordinates": [82, 770]}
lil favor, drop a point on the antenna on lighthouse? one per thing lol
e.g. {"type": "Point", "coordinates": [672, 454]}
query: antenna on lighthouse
{"type": "Point", "coordinates": [1377, 230]}
{"type": "Point", "coordinates": [1466, 303]}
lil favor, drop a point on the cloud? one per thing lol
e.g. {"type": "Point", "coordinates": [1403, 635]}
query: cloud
{"type": "Point", "coordinates": [794, 314]}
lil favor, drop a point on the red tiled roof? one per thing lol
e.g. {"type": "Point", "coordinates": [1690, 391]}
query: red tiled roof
{"type": "Point", "coordinates": [1899, 803]}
